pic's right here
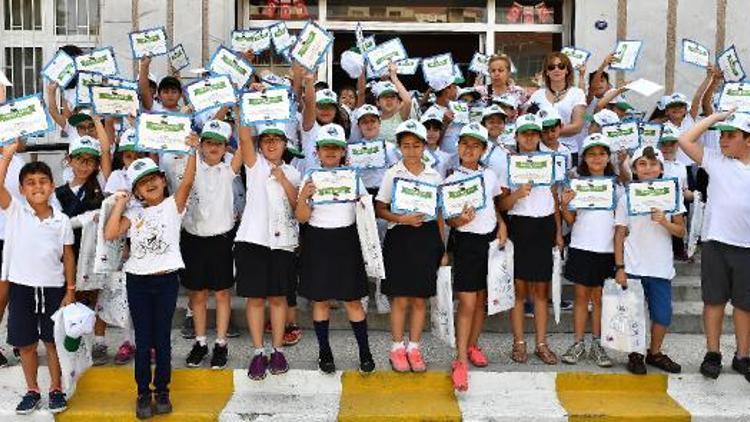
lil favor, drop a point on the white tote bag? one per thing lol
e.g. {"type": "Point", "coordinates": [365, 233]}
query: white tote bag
{"type": "Point", "coordinates": [556, 282]}
{"type": "Point", "coordinates": [624, 317]}
{"type": "Point", "coordinates": [501, 292]}
{"type": "Point", "coordinates": [369, 241]}
{"type": "Point", "coordinates": [696, 224]}
{"type": "Point", "coordinates": [441, 308]}
{"type": "Point", "coordinates": [108, 254]}
{"type": "Point", "coordinates": [72, 364]}
{"type": "Point", "coordinates": [112, 303]}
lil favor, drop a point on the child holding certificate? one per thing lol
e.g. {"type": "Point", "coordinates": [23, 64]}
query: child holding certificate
{"type": "Point", "coordinates": [432, 119]}
{"type": "Point", "coordinates": [534, 228]}
{"type": "Point", "coordinates": [394, 103]}
{"type": "Point", "coordinates": [412, 250]}
{"type": "Point", "coordinates": [332, 266]}
{"type": "Point", "coordinates": [367, 119]}
{"type": "Point", "coordinates": [590, 253]}
{"type": "Point", "coordinates": [474, 229]}
{"type": "Point", "coordinates": [551, 127]}
{"type": "Point", "coordinates": [643, 250]}
{"type": "Point", "coordinates": [495, 156]}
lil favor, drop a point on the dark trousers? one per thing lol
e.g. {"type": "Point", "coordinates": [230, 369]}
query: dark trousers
{"type": "Point", "coordinates": [152, 300]}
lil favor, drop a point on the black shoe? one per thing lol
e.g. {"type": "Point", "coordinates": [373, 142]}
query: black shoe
{"type": "Point", "coordinates": [711, 366]}
{"type": "Point", "coordinates": [188, 329]}
{"type": "Point", "coordinates": [325, 364]}
{"type": "Point", "coordinates": [366, 364]}
{"type": "Point", "coordinates": [3, 361]}
{"type": "Point", "coordinates": [196, 356]}
{"type": "Point", "coordinates": [16, 353]}
{"type": "Point", "coordinates": [232, 331]}
{"type": "Point", "coordinates": [219, 356]}
{"type": "Point", "coordinates": [635, 364]}
{"type": "Point", "coordinates": [57, 401]}
{"type": "Point", "coordinates": [663, 362]}
{"type": "Point", "coordinates": [163, 404]}
{"type": "Point", "coordinates": [741, 365]}
{"type": "Point", "coordinates": [29, 403]}
{"type": "Point", "coordinates": [143, 408]}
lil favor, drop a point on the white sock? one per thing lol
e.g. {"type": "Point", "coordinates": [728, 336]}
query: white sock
{"type": "Point", "coordinates": [397, 345]}
{"type": "Point", "coordinates": [99, 340]}
{"type": "Point", "coordinates": [412, 346]}
{"type": "Point", "coordinates": [259, 351]}
{"type": "Point", "coordinates": [201, 340]}
{"type": "Point", "coordinates": [221, 341]}
{"type": "Point", "coordinates": [188, 312]}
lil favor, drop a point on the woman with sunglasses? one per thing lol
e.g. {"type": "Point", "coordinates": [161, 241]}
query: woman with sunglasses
{"type": "Point", "coordinates": [560, 92]}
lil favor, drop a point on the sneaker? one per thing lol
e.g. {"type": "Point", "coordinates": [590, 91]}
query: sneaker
{"type": "Point", "coordinates": [278, 365]}
{"type": "Point", "coordinates": [258, 366]}
{"type": "Point", "coordinates": [528, 309]}
{"type": "Point", "coordinates": [477, 357]}
{"type": "Point", "coordinates": [566, 305]}
{"type": "Point", "coordinates": [29, 403]}
{"type": "Point", "coordinates": [125, 353]}
{"type": "Point", "coordinates": [196, 355]}
{"type": "Point", "coordinates": [741, 365]}
{"type": "Point", "coordinates": [3, 361]}
{"type": "Point", "coordinates": [219, 356]}
{"type": "Point", "coordinates": [415, 360]}
{"type": "Point", "coordinates": [575, 353]}
{"type": "Point", "coordinates": [711, 366]}
{"type": "Point", "coordinates": [399, 361]}
{"type": "Point", "coordinates": [326, 364]}
{"type": "Point", "coordinates": [663, 362]}
{"type": "Point", "coordinates": [599, 355]}
{"type": "Point", "coordinates": [57, 401]}
{"type": "Point", "coordinates": [16, 353]}
{"type": "Point", "coordinates": [366, 364]}
{"type": "Point", "coordinates": [143, 408]}
{"type": "Point", "coordinates": [99, 354]}
{"type": "Point", "coordinates": [188, 329]}
{"type": "Point", "coordinates": [635, 364]}
{"type": "Point", "coordinates": [232, 331]}
{"type": "Point", "coordinates": [292, 335]}
{"type": "Point", "coordinates": [163, 404]}
{"type": "Point", "coordinates": [460, 376]}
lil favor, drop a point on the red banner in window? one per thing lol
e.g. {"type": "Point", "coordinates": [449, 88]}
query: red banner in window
{"type": "Point", "coordinates": [286, 9]}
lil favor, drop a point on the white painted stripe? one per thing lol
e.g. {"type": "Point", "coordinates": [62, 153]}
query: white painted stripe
{"type": "Point", "coordinates": [13, 387]}
{"type": "Point", "coordinates": [284, 397]}
{"type": "Point", "coordinates": [721, 400]}
{"type": "Point", "coordinates": [511, 396]}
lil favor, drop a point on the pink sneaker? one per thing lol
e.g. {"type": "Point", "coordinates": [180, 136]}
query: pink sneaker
{"type": "Point", "coordinates": [125, 353]}
{"type": "Point", "coordinates": [398, 359]}
{"type": "Point", "coordinates": [477, 357]}
{"type": "Point", "coordinates": [460, 376]}
{"type": "Point", "coordinates": [415, 360]}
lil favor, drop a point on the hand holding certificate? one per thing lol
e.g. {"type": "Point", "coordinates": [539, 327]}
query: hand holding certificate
{"type": "Point", "coordinates": [441, 64]}
{"type": "Point", "coordinates": [455, 196]}
{"type": "Point", "coordinates": [578, 57]}
{"type": "Point", "coordinates": [735, 94]}
{"type": "Point", "coordinates": [225, 62]}
{"type": "Point", "coordinates": [622, 136]}
{"type": "Point", "coordinates": [335, 185]}
{"type": "Point", "coordinates": [408, 66]}
{"type": "Point", "coordinates": [100, 61]}
{"type": "Point", "coordinates": [214, 91]}
{"type": "Point", "coordinates": [24, 116]}
{"type": "Point", "coordinates": [148, 43]}
{"type": "Point", "coordinates": [312, 45]}
{"type": "Point", "coordinates": [163, 132]}
{"type": "Point", "coordinates": [536, 169]}
{"type": "Point", "coordinates": [114, 101]}
{"type": "Point", "coordinates": [280, 36]}
{"type": "Point", "coordinates": [86, 80]}
{"type": "Point", "coordinates": [384, 54]}
{"type": "Point", "coordinates": [269, 106]}
{"type": "Point", "coordinates": [366, 155]}
{"type": "Point", "coordinates": [178, 58]}
{"type": "Point", "coordinates": [626, 55]}
{"type": "Point", "coordinates": [729, 63]}
{"type": "Point", "coordinates": [695, 53]}
{"type": "Point", "coordinates": [61, 69]}
{"type": "Point", "coordinates": [659, 194]}
{"type": "Point", "coordinates": [592, 193]}
{"type": "Point", "coordinates": [412, 196]}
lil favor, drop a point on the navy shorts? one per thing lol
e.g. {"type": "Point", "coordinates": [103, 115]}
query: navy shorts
{"type": "Point", "coordinates": [658, 293]}
{"type": "Point", "coordinates": [30, 312]}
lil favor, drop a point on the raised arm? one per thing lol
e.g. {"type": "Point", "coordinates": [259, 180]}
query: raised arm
{"type": "Point", "coordinates": [143, 67]}
{"type": "Point", "coordinates": [247, 146]}
{"type": "Point", "coordinates": [106, 143]}
{"type": "Point", "coordinates": [52, 106]}
{"type": "Point", "coordinates": [717, 78]}
{"type": "Point", "coordinates": [700, 92]}
{"type": "Point", "coordinates": [609, 96]}
{"type": "Point", "coordinates": [403, 94]}
{"type": "Point", "coordinates": [117, 224]}
{"type": "Point", "coordinates": [361, 89]}
{"type": "Point", "coordinates": [598, 75]}
{"type": "Point", "coordinates": [8, 151]}
{"type": "Point", "coordinates": [689, 139]}
{"type": "Point", "coordinates": [308, 110]}
{"type": "Point", "coordinates": [183, 191]}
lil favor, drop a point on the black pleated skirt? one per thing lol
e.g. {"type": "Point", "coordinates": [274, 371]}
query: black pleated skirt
{"type": "Point", "coordinates": [470, 254]}
{"type": "Point", "coordinates": [263, 272]}
{"type": "Point", "coordinates": [588, 268]}
{"type": "Point", "coordinates": [412, 257]}
{"type": "Point", "coordinates": [533, 239]}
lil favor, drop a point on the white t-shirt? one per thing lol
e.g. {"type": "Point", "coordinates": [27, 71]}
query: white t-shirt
{"type": "Point", "coordinates": [573, 98]}
{"type": "Point", "coordinates": [677, 170]}
{"type": "Point", "coordinates": [485, 219]}
{"type": "Point", "coordinates": [210, 209]}
{"type": "Point", "coordinates": [33, 249]}
{"type": "Point", "coordinates": [254, 225]}
{"type": "Point", "coordinates": [309, 138]}
{"type": "Point", "coordinates": [594, 230]}
{"type": "Point", "coordinates": [118, 180]}
{"type": "Point", "coordinates": [495, 158]}
{"type": "Point", "coordinates": [727, 216]}
{"type": "Point", "coordinates": [648, 245]}
{"type": "Point", "coordinates": [13, 186]}
{"type": "Point", "coordinates": [333, 216]}
{"type": "Point", "coordinates": [385, 193]}
{"type": "Point", "coordinates": [686, 124]}
{"type": "Point", "coordinates": [449, 143]}
{"type": "Point", "coordinates": [154, 238]}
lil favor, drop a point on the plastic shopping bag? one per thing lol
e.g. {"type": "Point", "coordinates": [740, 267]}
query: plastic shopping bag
{"type": "Point", "coordinates": [72, 363]}
{"type": "Point", "coordinates": [501, 292]}
{"type": "Point", "coordinates": [441, 308]}
{"type": "Point", "coordinates": [381, 300]}
{"type": "Point", "coordinates": [108, 254]}
{"type": "Point", "coordinates": [624, 317]}
{"type": "Point", "coordinates": [86, 276]}
{"type": "Point", "coordinates": [696, 224]}
{"type": "Point", "coordinates": [369, 241]}
{"type": "Point", "coordinates": [556, 282]}
{"type": "Point", "coordinates": [112, 303]}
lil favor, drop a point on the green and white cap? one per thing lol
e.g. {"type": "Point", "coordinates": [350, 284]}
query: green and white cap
{"type": "Point", "coordinates": [593, 140]}
{"type": "Point", "coordinates": [621, 102]}
{"type": "Point", "coordinates": [384, 88]}
{"type": "Point", "coordinates": [414, 127]}
{"type": "Point", "coordinates": [216, 130]}
{"type": "Point", "coordinates": [528, 122]}
{"type": "Point", "coordinates": [432, 114]}
{"type": "Point", "coordinates": [84, 145]}
{"type": "Point", "coordinates": [326, 96]}
{"type": "Point", "coordinates": [127, 140]}
{"type": "Point", "coordinates": [139, 169]}
{"type": "Point", "coordinates": [294, 150]}
{"type": "Point", "coordinates": [736, 121]}
{"type": "Point", "coordinates": [606, 117]}
{"type": "Point", "coordinates": [549, 117]}
{"type": "Point", "coordinates": [669, 133]}
{"type": "Point", "coordinates": [366, 110]}
{"type": "Point", "coordinates": [79, 116]}
{"type": "Point", "coordinates": [508, 100]}
{"type": "Point", "coordinates": [441, 81]}
{"type": "Point", "coordinates": [675, 99]}
{"type": "Point", "coordinates": [493, 110]}
{"type": "Point", "coordinates": [469, 91]}
{"type": "Point", "coordinates": [331, 134]}
{"type": "Point", "coordinates": [474, 130]}
{"type": "Point", "coordinates": [271, 129]}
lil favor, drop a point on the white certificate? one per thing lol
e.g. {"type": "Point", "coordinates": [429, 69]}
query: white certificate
{"type": "Point", "coordinates": [211, 92]}
{"type": "Point", "coordinates": [412, 197]}
{"type": "Point", "coordinates": [561, 167]}
{"type": "Point", "coordinates": [454, 196]}
{"type": "Point", "coordinates": [366, 155]}
{"type": "Point", "coordinates": [695, 53]}
{"type": "Point", "coordinates": [408, 66]}
{"type": "Point", "coordinates": [114, 101]}
{"type": "Point", "coordinates": [730, 65]}
{"type": "Point", "coordinates": [644, 87]}
{"type": "Point", "coordinates": [660, 194]}
{"type": "Point", "coordinates": [255, 40]}
{"type": "Point", "coordinates": [460, 112]}
{"type": "Point", "coordinates": [85, 80]}
{"type": "Point", "coordinates": [271, 105]}
{"type": "Point", "coordinates": [225, 62]}
{"type": "Point", "coordinates": [312, 45]}
{"type": "Point", "coordinates": [124, 83]}
{"type": "Point", "coordinates": [280, 37]}
{"type": "Point", "coordinates": [735, 94]}
{"type": "Point", "coordinates": [61, 69]}
{"type": "Point", "coordinates": [650, 134]}
{"type": "Point", "coordinates": [368, 44]}
{"type": "Point", "coordinates": [178, 58]}
{"type": "Point", "coordinates": [475, 114]}
{"type": "Point", "coordinates": [335, 185]}
{"type": "Point", "coordinates": [441, 64]}
{"type": "Point", "coordinates": [24, 116]}
{"type": "Point", "coordinates": [479, 63]}
{"type": "Point", "coordinates": [593, 193]}
{"type": "Point", "coordinates": [100, 61]}
{"type": "Point", "coordinates": [163, 132]}
{"type": "Point", "coordinates": [578, 56]}
{"type": "Point", "coordinates": [148, 43]}
{"type": "Point", "coordinates": [383, 54]}
{"type": "Point", "coordinates": [537, 169]}
{"type": "Point", "coordinates": [626, 55]}
{"type": "Point", "coordinates": [622, 136]}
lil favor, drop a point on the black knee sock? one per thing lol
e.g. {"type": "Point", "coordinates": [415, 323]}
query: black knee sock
{"type": "Point", "coordinates": [360, 333]}
{"type": "Point", "coordinates": [324, 347]}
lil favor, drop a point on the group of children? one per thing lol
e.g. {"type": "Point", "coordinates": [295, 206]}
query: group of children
{"type": "Point", "coordinates": [180, 216]}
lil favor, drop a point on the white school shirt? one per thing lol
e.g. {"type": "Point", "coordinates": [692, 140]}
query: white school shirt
{"type": "Point", "coordinates": [485, 219]}
{"type": "Point", "coordinates": [154, 238]}
{"type": "Point", "coordinates": [308, 139]}
{"type": "Point", "coordinates": [210, 209]}
{"type": "Point", "coordinates": [33, 251]}
{"type": "Point", "coordinates": [336, 215]}
{"type": "Point", "coordinates": [594, 230]}
{"type": "Point", "coordinates": [118, 180]}
{"type": "Point", "coordinates": [686, 124]}
{"type": "Point", "coordinates": [648, 245]}
{"type": "Point", "coordinates": [727, 215]}
{"type": "Point", "coordinates": [13, 186]}
{"type": "Point", "coordinates": [443, 161]}
{"type": "Point", "coordinates": [495, 158]}
{"type": "Point", "coordinates": [385, 193]}
{"type": "Point", "coordinates": [449, 143]}
{"type": "Point", "coordinates": [573, 98]}
{"type": "Point", "coordinates": [254, 225]}
{"type": "Point", "coordinates": [539, 202]}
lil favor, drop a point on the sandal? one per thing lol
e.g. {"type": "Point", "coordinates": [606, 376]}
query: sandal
{"type": "Point", "coordinates": [519, 353]}
{"type": "Point", "coordinates": [546, 355]}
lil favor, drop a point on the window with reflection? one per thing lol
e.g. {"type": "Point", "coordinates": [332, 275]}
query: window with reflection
{"type": "Point", "coordinates": [422, 11]}
{"type": "Point", "coordinates": [285, 10]}
{"type": "Point", "coordinates": [539, 12]}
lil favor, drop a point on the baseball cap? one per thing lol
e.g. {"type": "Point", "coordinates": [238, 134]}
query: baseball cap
{"type": "Point", "coordinates": [507, 100]}
{"type": "Point", "coordinates": [474, 130]}
{"type": "Point", "coordinates": [606, 117]}
{"type": "Point", "coordinates": [675, 99]}
{"type": "Point", "coordinates": [294, 150]}
{"type": "Point", "coordinates": [367, 109]}
{"type": "Point", "coordinates": [549, 117]}
{"type": "Point", "coordinates": [127, 140]}
{"type": "Point", "coordinates": [331, 134]}
{"type": "Point", "coordinates": [736, 121]}
{"type": "Point", "coordinates": [326, 96]}
{"type": "Point", "coordinates": [414, 127]}
{"type": "Point", "coordinates": [595, 139]}
{"type": "Point", "coordinates": [640, 152]}
{"type": "Point", "coordinates": [79, 116]}
{"type": "Point", "coordinates": [441, 81]}
{"type": "Point", "coordinates": [433, 114]}
{"type": "Point", "coordinates": [621, 102]}
{"type": "Point", "coordinates": [469, 91]}
{"type": "Point", "coordinates": [78, 320]}
{"type": "Point", "coordinates": [384, 88]}
{"type": "Point", "coordinates": [216, 130]}
{"type": "Point", "coordinates": [669, 133]}
{"type": "Point", "coordinates": [84, 145]}
{"type": "Point", "coordinates": [493, 110]}
{"type": "Point", "coordinates": [139, 169]}
{"type": "Point", "coordinates": [271, 129]}
{"type": "Point", "coordinates": [528, 122]}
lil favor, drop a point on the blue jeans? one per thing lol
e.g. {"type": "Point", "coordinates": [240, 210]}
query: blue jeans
{"type": "Point", "coordinates": [152, 300]}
